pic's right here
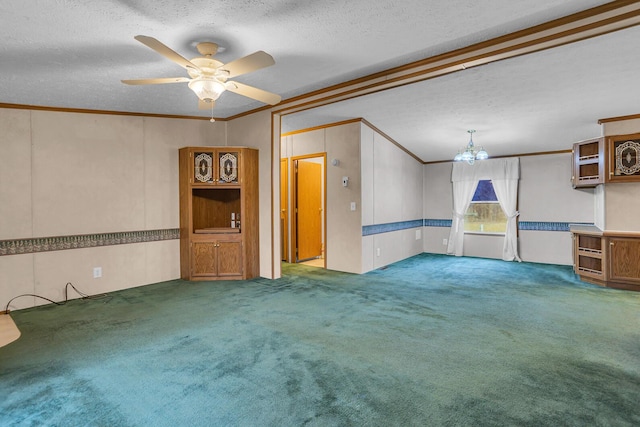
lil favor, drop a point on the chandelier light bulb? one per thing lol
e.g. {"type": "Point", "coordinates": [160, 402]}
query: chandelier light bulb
{"type": "Point", "coordinates": [469, 153]}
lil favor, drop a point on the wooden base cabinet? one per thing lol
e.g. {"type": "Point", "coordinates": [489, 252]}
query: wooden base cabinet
{"type": "Point", "coordinates": [624, 256]}
{"type": "Point", "coordinates": [216, 259]}
{"type": "Point", "coordinates": [219, 213]}
{"type": "Point", "coordinates": [604, 258]}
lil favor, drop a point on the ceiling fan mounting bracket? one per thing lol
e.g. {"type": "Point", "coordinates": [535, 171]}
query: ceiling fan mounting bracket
{"type": "Point", "coordinates": [207, 48]}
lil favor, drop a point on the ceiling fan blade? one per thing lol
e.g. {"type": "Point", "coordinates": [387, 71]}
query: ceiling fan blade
{"type": "Point", "coordinates": [253, 92]}
{"type": "Point", "coordinates": [165, 51]}
{"type": "Point", "coordinates": [248, 63]}
{"type": "Point", "coordinates": [156, 81]}
{"type": "Point", "coordinates": [206, 105]}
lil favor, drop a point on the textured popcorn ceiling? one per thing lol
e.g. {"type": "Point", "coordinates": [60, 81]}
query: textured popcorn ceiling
{"type": "Point", "coordinates": [73, 54]}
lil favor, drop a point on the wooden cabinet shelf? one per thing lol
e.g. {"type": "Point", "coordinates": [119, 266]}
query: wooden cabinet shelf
{"type": "Point", "coordinates": [609, 259]}
{"type": "Point", "coordinates": [218, 213]}
{"type": "Point", "coordinates": [588, 252]}
{"type": "Point", "coordinates": [217, 230]}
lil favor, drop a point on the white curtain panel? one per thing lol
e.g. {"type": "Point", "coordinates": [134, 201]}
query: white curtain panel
{"type": "Point", "coordinates": [462, 195]}
{"type": "Point", "coordinates": [504, 174]}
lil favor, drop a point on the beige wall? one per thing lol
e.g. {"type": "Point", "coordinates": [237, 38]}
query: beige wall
{"type": "Point", "coordinates": [255, 131]}
{"type": "Point", "coordinates": [344, 235]}
{"type": "Point", "coordinates": [393, 193]}
{"type": "Point", "coordinates": [15, 174]}
{"type": "Point", "coordinates": [621, 127]}
{"type": "Point", "coordinates": [622, 204]}
{"type": "Point", "coordinates": [344, 226]}
{"type": "Point", "coordinates": [545, 194]}
{"type": "Point", "coordinates": [437, 204]}
{"type": "Point", "coordinates": [385, 183]}
{"type": "Point", "coordinates": [67, 174]}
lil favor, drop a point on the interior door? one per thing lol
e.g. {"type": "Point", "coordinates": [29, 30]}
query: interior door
{"type": "Point", "coordinates": [308, 175]}
{"type": "Point", "coordinates": [284, 212]}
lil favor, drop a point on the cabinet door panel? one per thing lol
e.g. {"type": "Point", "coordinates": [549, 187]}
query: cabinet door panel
{"type": "Point", "coordinates": [625, 259]}
{"type": "Point", "coordinates": [204, 259]}
{"type": "Point", "coordinates": [202, 167]}
{"type": "Point", "coordinates": [229, 258]}
{"type": "Point", "coordinates": [624, 158]}
{"type": "Point", "coordinates": [228, 167]}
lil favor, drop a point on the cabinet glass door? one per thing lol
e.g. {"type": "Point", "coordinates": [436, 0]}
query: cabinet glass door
{"type": "Point", "coordinates": [203, 167]}
{"type": "Point", "coordinates": [228, 167]}
{"type": "Point", "coordinates": [624, 158]}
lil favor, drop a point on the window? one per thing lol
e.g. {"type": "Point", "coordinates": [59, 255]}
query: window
{"type": "Point", "coordinates": [485, 214]}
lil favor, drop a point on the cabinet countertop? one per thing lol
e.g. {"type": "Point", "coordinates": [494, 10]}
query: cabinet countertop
{"type": "Point", "coordinates": [595, 231]}
{"type": "Point", "coordinates": [585, 229]}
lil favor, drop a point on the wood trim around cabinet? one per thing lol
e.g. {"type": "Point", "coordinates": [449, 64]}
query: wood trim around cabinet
{"type": "Point", "coordinates": [618, 119]}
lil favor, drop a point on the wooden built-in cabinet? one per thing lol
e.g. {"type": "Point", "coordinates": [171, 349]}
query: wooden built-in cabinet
{"type": "Point", "coordinates": [623, 158]}
{"type": "Point", "coordinates": [604, 258]}
{"type": "Point", "coordinates": [624, 256]}
{"type": "Point", "coordinates": [218, 213]}
{"type": "Point", "coordinates": [612, 159]}
{"type": "Point", "coordinates": [588, 163]}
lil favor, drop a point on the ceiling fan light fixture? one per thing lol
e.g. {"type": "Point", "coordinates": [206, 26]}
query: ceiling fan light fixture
{"type": "Point", "coordinates": [207, 89]}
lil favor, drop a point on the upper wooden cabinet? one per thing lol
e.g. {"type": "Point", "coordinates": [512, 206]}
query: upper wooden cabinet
{"type": "Point", "coordinates": [218, 213]}
{"type": "Point", "coordinates": [623, 163]}
{"type": "Point", "coordinates": [211, 166]}
{"type": "Point", "coordinates": [602, 160]}
{"type": "Point", "coordinates": [588, 163]}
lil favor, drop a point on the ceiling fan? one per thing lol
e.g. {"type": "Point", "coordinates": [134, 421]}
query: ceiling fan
{"type": "Point", "coordinates": [208, 77]}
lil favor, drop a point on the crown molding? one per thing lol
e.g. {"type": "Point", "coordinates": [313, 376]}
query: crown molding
{"type": "Point", "coordinates": [104, 112]}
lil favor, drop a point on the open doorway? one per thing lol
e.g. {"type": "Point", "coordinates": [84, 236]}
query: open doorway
{"type": "Point", "coordinates": [308, 218]}
{"type": "Point", "coordinates": [284, 209]}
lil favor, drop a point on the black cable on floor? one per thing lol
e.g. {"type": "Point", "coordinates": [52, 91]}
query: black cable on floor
{"type": "Point", "coordinates": [66, 296]}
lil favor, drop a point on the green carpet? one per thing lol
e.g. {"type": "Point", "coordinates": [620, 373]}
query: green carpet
{"type": "Point", "coordinates": [429, 341]}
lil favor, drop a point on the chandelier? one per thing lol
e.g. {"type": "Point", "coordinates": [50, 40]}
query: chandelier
{"type": "Point", "coordinates": [469, 153]}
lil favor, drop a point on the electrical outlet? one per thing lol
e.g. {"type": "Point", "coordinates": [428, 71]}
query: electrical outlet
{"type": "Point", "coordinates": [97, 272]}
{"type": "Point", "coordinates": [445, 241]}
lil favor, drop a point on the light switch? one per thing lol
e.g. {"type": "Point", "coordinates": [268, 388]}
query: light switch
{"type": "Point", "coordinates": [353, 206]}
